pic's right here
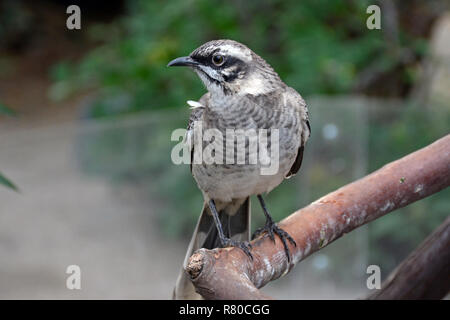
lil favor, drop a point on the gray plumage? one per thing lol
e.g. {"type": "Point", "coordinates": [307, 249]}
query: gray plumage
{"type": "Point", "coordinates": [244, 92]}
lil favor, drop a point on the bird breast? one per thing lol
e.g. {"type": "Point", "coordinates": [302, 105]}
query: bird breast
{"type": "Point", "coordinates": [225, 176]}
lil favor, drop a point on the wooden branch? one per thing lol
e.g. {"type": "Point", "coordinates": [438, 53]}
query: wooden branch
{"type": "Point", "coordinates": [424, 274]}
{"type": "Point", "coordinates": [227, 273]}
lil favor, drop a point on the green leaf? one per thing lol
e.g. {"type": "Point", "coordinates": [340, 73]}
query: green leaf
{"type": "Point", "coordinates": [5, 110]}
{"type": "Point", "coordinates": [6, 182]}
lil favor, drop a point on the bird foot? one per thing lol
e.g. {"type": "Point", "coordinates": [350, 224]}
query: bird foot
{"type": "Point", "coordinates": [243, 245]}
{"type": "Point", "coordinates": [271, 229]}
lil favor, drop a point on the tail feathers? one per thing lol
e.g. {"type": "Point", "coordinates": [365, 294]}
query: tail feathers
{"type": "Point", "coordinates": [235, 226]}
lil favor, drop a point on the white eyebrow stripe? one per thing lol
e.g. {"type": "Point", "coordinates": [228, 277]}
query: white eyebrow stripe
{"type": "Point", "coordinates": [244, 54]}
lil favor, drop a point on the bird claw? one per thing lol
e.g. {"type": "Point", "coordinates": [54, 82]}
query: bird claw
{"type": "Point", "coordinates": [271, 229]}
{"type": "Point", "coordinates": [243, 245]}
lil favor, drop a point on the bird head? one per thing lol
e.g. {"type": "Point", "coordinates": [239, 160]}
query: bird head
{"type": "Point", "coordinates": [229, 67]}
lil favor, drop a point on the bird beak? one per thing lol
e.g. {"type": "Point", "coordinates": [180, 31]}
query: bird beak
{"type": "Point", "coordinates": [182, 61]}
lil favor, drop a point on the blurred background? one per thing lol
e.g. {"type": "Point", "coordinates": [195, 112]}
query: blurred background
{"type": "Point", "coordinates": [86, 117]}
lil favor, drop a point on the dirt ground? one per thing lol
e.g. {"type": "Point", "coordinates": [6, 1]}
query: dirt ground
{"type": "Point", "coordinates": [61, 217]}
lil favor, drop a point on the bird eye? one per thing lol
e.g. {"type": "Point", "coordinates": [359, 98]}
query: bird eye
{"type": "Point", "coordinates": [218, 59]}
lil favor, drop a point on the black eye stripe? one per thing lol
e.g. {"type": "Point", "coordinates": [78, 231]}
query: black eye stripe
{"type": "Point", "coordinates": [232, 66]}
{"type": "Point", "coordinates": [229, 61]}
{"type": "Point", "coordinates": [207, 60]}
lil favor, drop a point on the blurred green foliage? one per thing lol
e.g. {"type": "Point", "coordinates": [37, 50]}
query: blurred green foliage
{"type": "Point", "coordinates": [7, 183]}
{"type": "Point", "coordinates": [3, 180]}
{"type": "Point", "coordinates": [6, 111]}
{"type": "Point", "coordinates": [318, 47]}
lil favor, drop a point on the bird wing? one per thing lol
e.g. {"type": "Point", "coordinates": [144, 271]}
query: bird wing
{"type": "Point", "coordinates": [295, 100]}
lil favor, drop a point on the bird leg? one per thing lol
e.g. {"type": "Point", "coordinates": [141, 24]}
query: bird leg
{"type": "Point", "coordinates": [271, 228]}
{"type": "Point", "coordinates": [227, 242]}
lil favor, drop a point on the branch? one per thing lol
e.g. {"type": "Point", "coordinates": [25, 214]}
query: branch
{"type": "Point", "coordinates": [424, 274]}
{"type": "Point", "coordinates": [227, 273]}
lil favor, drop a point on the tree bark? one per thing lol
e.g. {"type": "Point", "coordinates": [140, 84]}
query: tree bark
{"type": "Point", "coordinates": [227, 273]}
{"type": "Point", "coordinates": [424, 274]}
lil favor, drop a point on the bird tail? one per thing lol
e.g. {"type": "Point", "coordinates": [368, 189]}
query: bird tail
{"type": "Point", "coordinates": [235, 226]}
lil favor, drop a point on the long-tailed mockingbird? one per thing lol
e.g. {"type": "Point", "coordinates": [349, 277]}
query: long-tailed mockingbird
{"type": "Point", "coordinates": [244, 92]}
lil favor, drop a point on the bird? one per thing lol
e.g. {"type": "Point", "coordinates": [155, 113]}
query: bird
{"type": "Point", "coordinates": [243, 93]}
